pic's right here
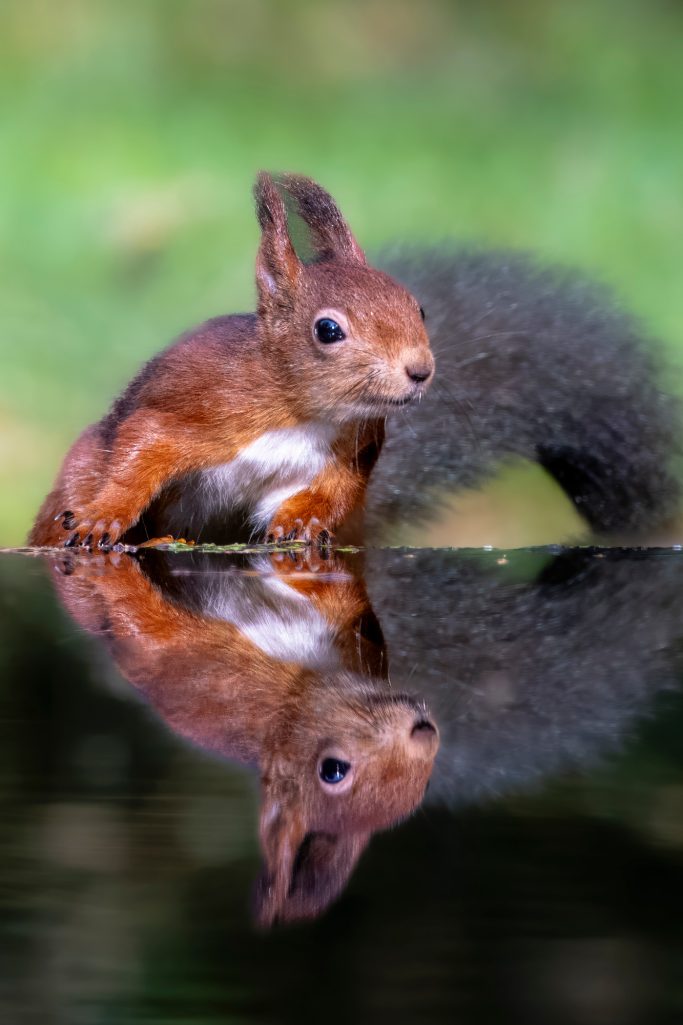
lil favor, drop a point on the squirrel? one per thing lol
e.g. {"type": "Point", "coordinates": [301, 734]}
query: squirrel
{"type": "Point", "coordinates": [402, 668]}
{"type": "Point", "coordinates": [280, 417]}
{"type": "Point", "coordinates": [278, 663]}
{"type": "Point", "coordinates": [279, 414]}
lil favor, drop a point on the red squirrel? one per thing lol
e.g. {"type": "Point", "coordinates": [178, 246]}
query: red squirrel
{"type": "Point", "coordinates": [278, 413]}
{"type": "Point", "coordinates": [276, 668]}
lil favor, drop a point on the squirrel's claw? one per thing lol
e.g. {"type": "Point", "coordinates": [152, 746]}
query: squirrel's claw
{"type": "Point", "coordinates": [91, 532]}
{"type": "Point", "coordinates": [68, 519]}
{"type": "Point", "coordinates": [312, 531]}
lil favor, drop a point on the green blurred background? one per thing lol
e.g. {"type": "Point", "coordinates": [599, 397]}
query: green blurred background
{"type": "Point", "coordinates": [131, 132]}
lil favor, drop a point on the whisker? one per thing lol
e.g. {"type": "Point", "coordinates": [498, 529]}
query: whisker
{"type": "Point", "coordinates": [471, 359]}
{"type": "Point", "coordinates": [439, 350]}
{"type": "Point", "coordinates": [460, 405]}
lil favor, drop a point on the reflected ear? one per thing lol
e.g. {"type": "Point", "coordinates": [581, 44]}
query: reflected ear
{"type": "Point", "coordinates": [304, 871]}
{"type": "Point", "coordinates": [282, 831]}
{"type": "Point", "coordinates": [331, 237]}
{"type": "Point", "coordinates": [277, 265]}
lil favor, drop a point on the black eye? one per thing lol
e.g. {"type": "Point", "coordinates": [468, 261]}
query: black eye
{"type": "Point", "coordinates": [422, 312]}
{"type": "Point", "coordinates": [327, 331]}
{"type": "Point", "coordinates": [332, 770]}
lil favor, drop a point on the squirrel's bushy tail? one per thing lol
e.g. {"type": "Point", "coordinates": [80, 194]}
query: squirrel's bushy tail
{"type": "Point", "coordinates": [535, 363]}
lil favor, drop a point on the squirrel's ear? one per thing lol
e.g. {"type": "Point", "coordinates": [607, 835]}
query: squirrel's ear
{"type": "Point", "coordinates": [277, 265]}
{"type": "Point", "coordinates": [282, 831]}
{"type": "Point", "coordinates": [331, 237]}
{"type": "Point", "coordinates": [305, 870]}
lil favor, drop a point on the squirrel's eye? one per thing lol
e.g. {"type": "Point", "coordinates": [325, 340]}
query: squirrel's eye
{"type": "Point", "coordinates": [327, 331]}
{"type": "Point", "coordinates": [333, 770]}
{"type": "Point", "coordinates": [422, 312]}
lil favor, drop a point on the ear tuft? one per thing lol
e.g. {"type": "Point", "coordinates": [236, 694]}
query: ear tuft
{"type": "Point", "coordinates": [304, 869]}
{"type": "Point", "coordinates": [331, 237]}
{"type": "Point", "coordinates": [317, 871]}
{"type": "Point", "coordinates": [277, 265]}
{"type": "Point", "coordinates": [270, 209]}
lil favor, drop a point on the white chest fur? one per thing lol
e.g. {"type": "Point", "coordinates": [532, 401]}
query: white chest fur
{"type": "Point", "coordinates": [274, 616]}
{"type": "Point", "coordinates": [273, 467]}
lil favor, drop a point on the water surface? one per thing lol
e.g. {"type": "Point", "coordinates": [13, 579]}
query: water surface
{"type": "Point", "coordinates": [539, 878]}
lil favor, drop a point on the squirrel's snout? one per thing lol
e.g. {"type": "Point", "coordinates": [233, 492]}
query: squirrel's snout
{"type": "Point", "coordinates": [418, 366]}
{"type": "Point", "coordinates": [419, 372]}
{"type": "Point", "coordinates": [409, 377]}
{"type": "Point", "coordinates": [423, 738]}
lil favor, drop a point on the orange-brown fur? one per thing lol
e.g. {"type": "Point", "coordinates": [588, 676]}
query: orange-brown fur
{"type": "Point", "coordinates": [220, 690]}
{"type": "Point", "coordinates": [201, 402]}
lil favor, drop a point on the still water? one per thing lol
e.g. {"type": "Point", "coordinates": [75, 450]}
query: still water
{"type": "Point", "coordinates": [410, 786]}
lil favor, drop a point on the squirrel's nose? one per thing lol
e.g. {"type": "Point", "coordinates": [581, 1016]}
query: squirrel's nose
{"type": "Point", "coordinates": [424, 736]}
{"type": "Point", "coordinates": [419, 372]}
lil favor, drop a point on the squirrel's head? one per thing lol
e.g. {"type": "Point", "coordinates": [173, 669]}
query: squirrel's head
{"type": "Point", "coordinates": [351, 341]}
{"type": "Point", "coordinates": [349, 760]}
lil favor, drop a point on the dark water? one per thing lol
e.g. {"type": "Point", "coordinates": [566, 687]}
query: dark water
{"type": "Point", "coordinates": [169, 852]}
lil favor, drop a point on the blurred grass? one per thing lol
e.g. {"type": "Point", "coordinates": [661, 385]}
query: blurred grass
{"type": "Point", "coordinates": [131, 133]}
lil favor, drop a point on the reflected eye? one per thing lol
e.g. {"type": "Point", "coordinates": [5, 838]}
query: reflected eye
{"type": "Point", "coordinates": [333, 770]}
{"type": "Point", "coordinates": [422, 312]}
{"type": "Point", "coordinates": [327, 331]}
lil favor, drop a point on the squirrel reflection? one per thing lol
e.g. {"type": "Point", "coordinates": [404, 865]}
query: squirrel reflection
{"type": "Point", "coordinates": [280, 665]}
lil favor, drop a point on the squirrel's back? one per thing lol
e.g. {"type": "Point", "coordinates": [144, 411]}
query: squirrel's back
{"type": "Point", "coordinates": [535, 363]}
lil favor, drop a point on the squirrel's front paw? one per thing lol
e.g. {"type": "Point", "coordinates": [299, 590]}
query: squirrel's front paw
{"type": "Point", "coordinates": [91, 528]}
{"type": "Point", "coordinates": [302, 562]}
{"type": "Point", "coordinates": [311, 531]}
